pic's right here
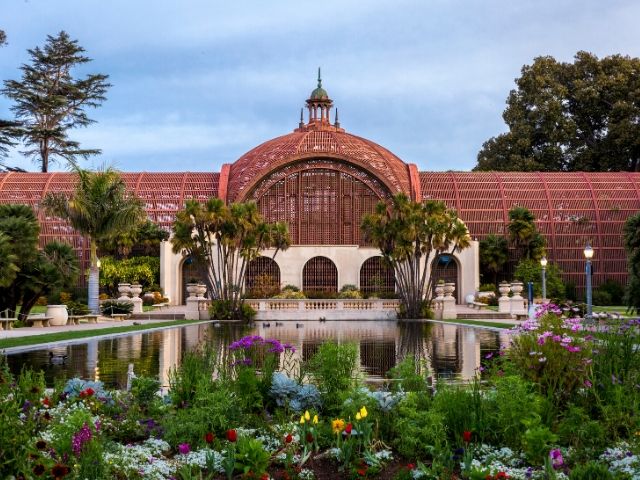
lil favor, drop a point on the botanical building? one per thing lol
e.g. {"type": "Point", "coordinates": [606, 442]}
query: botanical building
{"type": "Point", "coordinates": [321, 180]}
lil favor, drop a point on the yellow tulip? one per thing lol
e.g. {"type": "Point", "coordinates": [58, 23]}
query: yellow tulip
{"type": "Point", "coordinates": [337, 425]}
{"type": "Point", "coordinates": [363, 412]}
{"type": "Point", "coordinates": [306, 415]}
{"type": "Point", "coordinates": [301, 419]}
{"type": "Point", "coordinates": [358, 416]}
{"type": "Point", "coordinates": [315, 419]}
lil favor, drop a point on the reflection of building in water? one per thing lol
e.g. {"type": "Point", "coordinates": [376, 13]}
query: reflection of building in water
{"type": "Point", "coordinates": [170, 353]}
{"type": "Point", "coordinates": [377, 358]}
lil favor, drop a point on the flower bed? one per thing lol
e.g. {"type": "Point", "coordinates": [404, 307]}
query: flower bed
{"type": "Point", "coordinates": [561, 401]}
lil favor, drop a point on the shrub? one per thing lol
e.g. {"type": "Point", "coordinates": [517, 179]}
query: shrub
{"type": "Point", "coordinates": [334, 370]}
{"type": "Point", "coordinates": [602, 297]}
{"type": "Point", "coordinates": [407, 377]}
{"type": "Point", "coordinates": [109, 307]}
{"type": "Point", "coordinates": [77, 308]}
{"type": "Point", "coordinates": [591, 471]}
{"type": "Point", "coordinates": [287, 292]}
{"type": "Point", "coordinates": [349, 291]}
{"type": "Point", "coordinates": [144, 390]}
{"type": "Point", "coordinates": [288, 393]}
{"type": "Point", "coordinates": [222, 310]}
{"type": "Point", "coordinates": [419, 432]}
{"type": "Point", "coordinates": [531, 271]}
{"type": "Point", "coordinates": [142, 270]}
{"type": "Point", "coordinates": [487, 287]}
{"type": "Point", "coordinates": [320, 294]}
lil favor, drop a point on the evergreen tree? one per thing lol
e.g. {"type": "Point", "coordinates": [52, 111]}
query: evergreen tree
{"type": "Point", "coordinates": [49, 101]}
{"type": "Point", "coordinates": [494, 254]}
{"type": "Point", "coordinates": [9, 131]}
{"type": "Point", "coordinates": [524, 234]}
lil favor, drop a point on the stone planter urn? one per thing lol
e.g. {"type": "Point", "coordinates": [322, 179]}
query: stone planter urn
{"type": "Point", "coordinates": [449, 289]}
{"type": "Point", "coordinates": [124, 289]}
{"type": "Point", "coordinates": [192, 289]}
{"type": "Point", "coordinates": [504, 288]}
{"type": "Point", "coordinates": [439, 289]}
{"type": "Point", "coordinates": [201, 289]}
{"type": "Point", "coordinates": [516, 288]}
{"type": "Point", "coordinates": [135, 290]}
{"type": "Point", "coordinates": [58, 315]}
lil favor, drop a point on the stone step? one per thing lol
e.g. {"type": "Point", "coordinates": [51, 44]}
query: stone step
{"type": "Point", "coordinates": [484, 316]}
{"type": "Point", "coordinates": [157, 316]}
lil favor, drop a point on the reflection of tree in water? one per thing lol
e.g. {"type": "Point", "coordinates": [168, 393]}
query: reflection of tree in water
{"type": "Point", "coordinates": [413, 341]}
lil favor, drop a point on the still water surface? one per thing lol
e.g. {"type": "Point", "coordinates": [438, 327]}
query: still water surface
{"type": "Point", "coordinates": [450, 351]}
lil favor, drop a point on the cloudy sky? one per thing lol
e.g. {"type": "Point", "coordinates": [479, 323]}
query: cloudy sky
{"type": "Point", "coordinates": [196, 83]}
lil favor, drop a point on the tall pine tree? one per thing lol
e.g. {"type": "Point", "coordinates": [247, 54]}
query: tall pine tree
{"type": "Point", "coordinates": [49, 101]}
{"type": "Point", "coordinates": [9, 130]}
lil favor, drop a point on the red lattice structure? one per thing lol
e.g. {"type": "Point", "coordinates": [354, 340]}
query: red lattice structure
{"type": "Point", "coordinates": [376, 276]}
{"type": "Point", "coordinates": [570, 209]}
{"type": "Point", "coordinates": [323, 201]}
{"type": "Point", "coordinates": [163, 195]}
{"type": "Point", "coordinates": [320, 275]}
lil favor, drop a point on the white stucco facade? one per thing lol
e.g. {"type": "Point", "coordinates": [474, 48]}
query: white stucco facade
{"type": "Point", "coordinates": [347, 258]}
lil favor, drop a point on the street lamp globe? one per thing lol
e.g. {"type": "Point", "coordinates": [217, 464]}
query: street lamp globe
{"type": "Point", "coordinates": [588, 252]}
{"type": "Point", "coordinates": [543, 262]}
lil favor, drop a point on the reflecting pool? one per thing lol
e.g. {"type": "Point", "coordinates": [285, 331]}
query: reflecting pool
{"type": "Point", "coordinates": [450, 351]}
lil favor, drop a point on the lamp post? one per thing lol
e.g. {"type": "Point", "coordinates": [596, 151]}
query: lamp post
{"type": "Point", "coordinates": [588, 255]}
{"type": "Point", "coordinates": [543, 263]}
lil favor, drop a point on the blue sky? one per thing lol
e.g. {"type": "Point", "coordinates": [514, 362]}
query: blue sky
{"type": "Point", "coordinates": [196, 83]}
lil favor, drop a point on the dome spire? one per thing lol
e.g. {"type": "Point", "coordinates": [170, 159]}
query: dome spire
{"type": "Point", "coordinates": [319, 79]}
{"type": "Point", "coordinates": [319, 106]}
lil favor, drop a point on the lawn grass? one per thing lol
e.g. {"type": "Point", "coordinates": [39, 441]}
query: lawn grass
{"type": "Point", "coordinates": [482, 323]}
{"type": "Point", "coordinates": [74, 335]}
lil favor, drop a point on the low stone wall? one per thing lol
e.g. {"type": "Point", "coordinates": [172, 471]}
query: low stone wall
{"type": "Point", "coordinates": [331, 309]}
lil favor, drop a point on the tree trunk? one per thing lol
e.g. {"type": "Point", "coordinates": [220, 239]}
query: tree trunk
{"type": "Point", "coordinates": [94, 281]}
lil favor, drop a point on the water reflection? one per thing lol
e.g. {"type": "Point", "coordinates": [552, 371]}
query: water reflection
{"type": "Point", "coordinates": [447, 350]}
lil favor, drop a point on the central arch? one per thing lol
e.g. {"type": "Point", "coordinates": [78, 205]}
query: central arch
{"type": "Point", "coordinates": [322, 201]}
{"type": "Point", "coordinates": [445, 267]}
{"type": "Point", "coordinates": [320, 275]}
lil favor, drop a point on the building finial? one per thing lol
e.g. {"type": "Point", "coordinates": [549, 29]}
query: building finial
{"type": "Point", "coordinates": [337, 122]}
{"type": "Point", "coordinates": [319, 79]}
{"type": "Point", "coordinates": [301, 124]}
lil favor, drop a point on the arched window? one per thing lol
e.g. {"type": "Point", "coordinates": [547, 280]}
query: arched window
{"type": "Point", "coordinates": [191, 272]}
{"type": "Point", "coordinates": [320, 275]}
{"type": "Point", "coordinates": [263, 278]}
{"type": "Point", "coordinates": [376, 277]}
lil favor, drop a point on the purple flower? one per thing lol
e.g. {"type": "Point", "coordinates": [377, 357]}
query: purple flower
{"type": "Point", "coordinates": [488, 356]}
{"type": "Point", "coordinates": [184, 448]}
{"type": "Point", "coordinates": [79, 439]}
{"type": "Point", "coordinates": [556, 458]}
{"type": "Point", "coordinates": [288, 346]}
{"type": "Point", "coordinates": [588, 384]}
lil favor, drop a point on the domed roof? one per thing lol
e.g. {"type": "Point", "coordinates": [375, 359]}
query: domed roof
{"type": "Point", "coordinates": [319, 93]}
{"type": "Point", "coordinates": [306, 144]}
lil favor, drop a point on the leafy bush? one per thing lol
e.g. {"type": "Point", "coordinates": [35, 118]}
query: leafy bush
{"type": "Point", "coordinates": [75, 386]}
{"type": "Point", "coordinates": [487, 287]}
{"type": "Point", "coordinates": [289, 292]}
{"type": "Point", "coordinates": [109, 307]}
{"type": "Point", "coordinates": [591, 471]}
{"type": "Point", "coordinates": [145, 389]}
{"type": "Point", "coordinates": [142, 270]}
{"type": "Point", "coordinates": [320, 294]}
{"type": "Point", "coordinates": [251, 457]}
{"type": "Point", "coordinates": [537, 441]}
{"type": "Point", "coordinates": [334, 370]}
{"type": "Point", "coordinates": [77, 308]}
{"type": "Point", "coordinates": [406, 376]}
{"type": "Point", "coordinates": [349, 291]}
{"type": "Point", "coordinates": [419, 432]}
{"type": "Point", "coordinates": [222, 310]}
{"type": "Point", "coordinates": [531, 271]}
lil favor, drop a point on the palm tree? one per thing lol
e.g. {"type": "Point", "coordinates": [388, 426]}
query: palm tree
{"type": "Point", "coordinates": [99, 208]}
{"type": "Point", "coordinates": [494, 254]}
{"type": "Point", "coordinates": [407, 234]}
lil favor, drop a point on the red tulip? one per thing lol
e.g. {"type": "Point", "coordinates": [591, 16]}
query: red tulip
{"type": "Point", "coordinates": [410, 466]}
{"type": "Point", "coordinates": [309, 438]}
{"type": "Point", "coordinates": [348, 429]}
{"type": "Point", "coordinates": [466, 436]}
{"type": "Point", "coordinates": [288, 438]}
{"type": "Point", "coordinates": [90, 391]}
{"type": "Point", "coordinates": [209, 437]}
{"type": "Point", "coordinates": [46, 402]}
{"type": "Point", "coordinates": [232, 435]}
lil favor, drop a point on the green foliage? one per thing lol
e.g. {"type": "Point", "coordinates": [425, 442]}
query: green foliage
{"type": "Point", "coordinates": [531, 271]}
{"type": "Point", "coordinates": [224, 310]}
{"type": "Point", "coordinates": [144, 390]}
{"type": "Point", "coordinates": [409, 232]}
{"type": "Point", "coordinates": [494, 255]}
{"type": "Point", "coordinates": [76, 308]}
{"type": "Point", "coordinates": [63, 430]}
{"type": "Point", "coordinates": [141, 270]}
{"type": "Point", "coordinates": [406, 376]}
{"type": "Point", "coordinates": [564, 116]}
{"type": "Point", "coordinates": [49, 101]}
{"type": "Point", "coordinates": [578, 430]}
{"type": "Point", "coordinates": [109, 307]}
{"type": "Point", "coordinates": [234, 235]}
{"type": "Point", "coordinates": [334, 370]}
{"type": "Point", "coordinates": [251, 456]}
{"type": "Point", "coordinates": [537, 441]}
{"type": "Point", "coordinates": [419, 432]}
{"type": "Point", "coordinates": [524, 234]}
{"type": "Point", "coordinates": [289, 292]}
{"type": "Point", "coordinates": [591, 471]}
{"type": "Point", "coordinates": [349, 291]}
{"type": "Point", "coordinates": [143, 241]}
{"type": "Point", "coordinates": [631, 238]}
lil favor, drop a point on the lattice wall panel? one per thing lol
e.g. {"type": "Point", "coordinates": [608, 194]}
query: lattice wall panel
{"type": "Point", "coordinates": [163, 194]}
{"type": "Point", "coordinates": [320, 275]}
{"type": "Point", "coordinates": [376, 276]}
{"type": "Point", "coordinates": [322, 201]}
{"type": "Point", "coordinates": [570, 209]}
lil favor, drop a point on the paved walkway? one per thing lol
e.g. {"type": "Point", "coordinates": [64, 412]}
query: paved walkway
{"type": "Point", "coordinates": [104, 322]}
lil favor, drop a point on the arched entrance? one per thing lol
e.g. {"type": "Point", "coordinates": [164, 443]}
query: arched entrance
{"type": "Point", "coordinates": [320, 275]}
{"type": "Point", "coordinates": [263, 278]}
{"type": "Point", "coordinates": [191, 272]}
{"type": "Point", "coordinates": [445, 267]}
{"type": "Point", "coordinates": [376, 277]}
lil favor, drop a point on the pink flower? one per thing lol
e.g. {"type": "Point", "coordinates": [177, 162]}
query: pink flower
{"type": "Point", "coordinates": [184, 448]}
{"type": "Point", "coordinates": [588, 384]}
{"type": "Point", "coordinates": [556, 458]}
